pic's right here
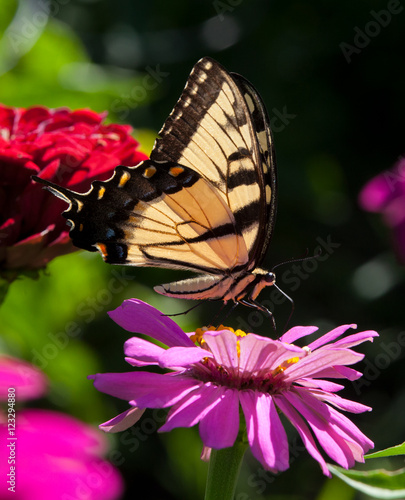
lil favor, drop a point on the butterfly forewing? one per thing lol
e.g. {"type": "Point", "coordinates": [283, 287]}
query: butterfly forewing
{"type": "Point", "coordinates": [218, 128]}
{"type": "Point", "coordinates": [266, 166]}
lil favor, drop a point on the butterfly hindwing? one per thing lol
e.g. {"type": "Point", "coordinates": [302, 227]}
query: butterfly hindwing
{"type": "Point", "coordinates": [157, 215]}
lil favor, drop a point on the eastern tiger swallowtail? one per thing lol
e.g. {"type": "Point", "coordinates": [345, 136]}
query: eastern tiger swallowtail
{"type": "Point", "coordinates": [205, 201]}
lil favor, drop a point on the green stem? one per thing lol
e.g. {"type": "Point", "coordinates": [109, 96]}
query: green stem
{"type": "Point", "coordinates": [223, 472]}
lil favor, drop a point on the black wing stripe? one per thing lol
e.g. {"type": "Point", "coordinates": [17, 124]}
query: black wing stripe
{"type": "Point", "coordinates": [198, 101]}
{"type": "Point", "coordinates": [246, 216]}
{"type": "Point", "coordinates": [241, 177]}
{"type": "Point", "coordinates": [215, 233]}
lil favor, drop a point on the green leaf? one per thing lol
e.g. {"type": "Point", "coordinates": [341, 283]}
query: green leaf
{"type": "Point", "coordinates": [393, 451]}
{"type": "Point", "coordinates": [377, 483]}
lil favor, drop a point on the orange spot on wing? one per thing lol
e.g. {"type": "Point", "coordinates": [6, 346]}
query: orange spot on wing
{"type": "Point", "coordinates": [103, 249]}
{"type": "Point", "coordinates": [149, 172]}
{"type": "Point", "coordinates": [124, 179]}
{"type": "Point", "coordinates": [175, 171]}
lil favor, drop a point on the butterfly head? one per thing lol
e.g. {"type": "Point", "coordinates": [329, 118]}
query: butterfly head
{"type": "Point", "coordinates": [263, 279]}
{"type": "Point", "coordinates": [267, 277]}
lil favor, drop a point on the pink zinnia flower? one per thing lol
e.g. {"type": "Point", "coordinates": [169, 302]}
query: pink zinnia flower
{"type": "Point", "coordinates": [386, 194]}
{"type": "Point", "coordinates": [57, 457]}
{"type": "Point", "coordinates": [213, 373]}
{"type": "Point", "coordinates": [47, 455]}
{"type": "Point", "coordinates": [71, 148]}
{"type": "Point", "coordinates": [30, 382]}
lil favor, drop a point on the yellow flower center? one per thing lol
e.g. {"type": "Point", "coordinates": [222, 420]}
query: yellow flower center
{"type": "Point", "coordinates": [197, 338]}
{"type": "Point", "coordinates": [285, 364]}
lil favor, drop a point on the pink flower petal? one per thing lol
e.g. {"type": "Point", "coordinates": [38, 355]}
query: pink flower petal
{"type": "Point", "coordinates": [325, 385]}
{"type": "Point", "coordinates": [341, 403]}
{"type": "Point", "coordinates": [317, 360]}
{"type": "Point", "coordinates": [222, 344]}
{"type": "Point", "coordinates": [220, 426]}
{"type": "Point", "coordinates": [330, 336]}
{"type": "Point", "coordinates": [176, 357]}
{"type": "Point", "coordinates": [375, 194]}
{"type": "Point", "coordinates": [144, 389]}
{"type": "Point", "coordinates": [259, 353]}
{"type": "Point", "coordinates": [59, 457]}
{"type": "Point", "coordinates": [137, 316]}
{"type": "Point", "coordinates": [192, 408]}
{"type": "Point", "coordinates": [356, 338]}
{"type": "Point", "coordinates": [296, 333]}
{"type": "Point", "coordinates": [338, 372]}
{"type": "Point", "coordinates": [122, 421]}
{"type": "Point", "coordinates": [266, 434]}
{"type": "Point", "coordinates": [353, 433]}
{"type": "Point", "coordinates": [141, 352]}
{"type": "Point", "coordinates": [334, 439]}
{"type": "Point", "coordinates": [27, 381]}
{"type": "Point", "coordinates": [306, 436]}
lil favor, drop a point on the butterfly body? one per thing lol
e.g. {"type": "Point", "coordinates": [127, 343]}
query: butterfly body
{"type": "Point", "coordinates": [205, 201]}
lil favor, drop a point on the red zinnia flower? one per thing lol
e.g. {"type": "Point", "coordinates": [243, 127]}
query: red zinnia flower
{"type": "Point", "coordinates": [71, 148]}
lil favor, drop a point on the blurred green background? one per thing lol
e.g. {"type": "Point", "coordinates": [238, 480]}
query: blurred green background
{"type": "Point", "coordinates": [332, 77]}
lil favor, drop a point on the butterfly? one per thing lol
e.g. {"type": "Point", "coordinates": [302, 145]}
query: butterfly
{"type": "Point", "coordinates": [205, 201]}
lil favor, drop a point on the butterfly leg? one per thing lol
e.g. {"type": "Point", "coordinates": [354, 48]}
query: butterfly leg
{"type": "Point", "coordinates": [255, 305]}
{"type": "Point", "coordinates": [184, 312]}
{"type": "Point", "coordinates": [226, 315]}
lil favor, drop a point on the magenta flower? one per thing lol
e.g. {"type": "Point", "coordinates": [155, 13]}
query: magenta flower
{"type": "Point", "coordinates": [57, 457]}
{"type": "Point", "coordinates": [213, 373]}
{"type": "Point", "coordinates": [386, 194]}
{"type": "Point", "coordinates": [47, 455]}
{"type": "Point", "coordinates": [30, 382]}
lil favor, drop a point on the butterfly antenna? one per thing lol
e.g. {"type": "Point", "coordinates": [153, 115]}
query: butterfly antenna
{"type": "Point", "coordinates": [292, 306]}
{"type": "Point", "coordinates": [299, 259]}
{"type": "Point", "coordinates": [58, 191]}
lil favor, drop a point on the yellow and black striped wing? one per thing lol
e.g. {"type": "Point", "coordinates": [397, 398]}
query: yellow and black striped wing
{"type": "Point", "coordinates": [205, 200]}
{"type": "Point", "coordinates": [220, 129]}
{"type": "Point", "coordinates": [157, 215]}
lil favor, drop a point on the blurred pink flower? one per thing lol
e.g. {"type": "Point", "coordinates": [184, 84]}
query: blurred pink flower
{"type": "Point", "coordinates": [71, 148]}
{"type": "Point", "coordinates": [58, 458]}
{"type": "Point", "coordinates": [28, 380]}
{"type": "Point", "coordinates": [47, 455]}
{"type": "Point", "coordinates": [214, 373]}
{"type": "Point", "coordinates": [386, 194]}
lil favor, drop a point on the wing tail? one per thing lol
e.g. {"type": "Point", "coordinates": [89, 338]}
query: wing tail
{"type": "Point", "coordinates": [60, 192]}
